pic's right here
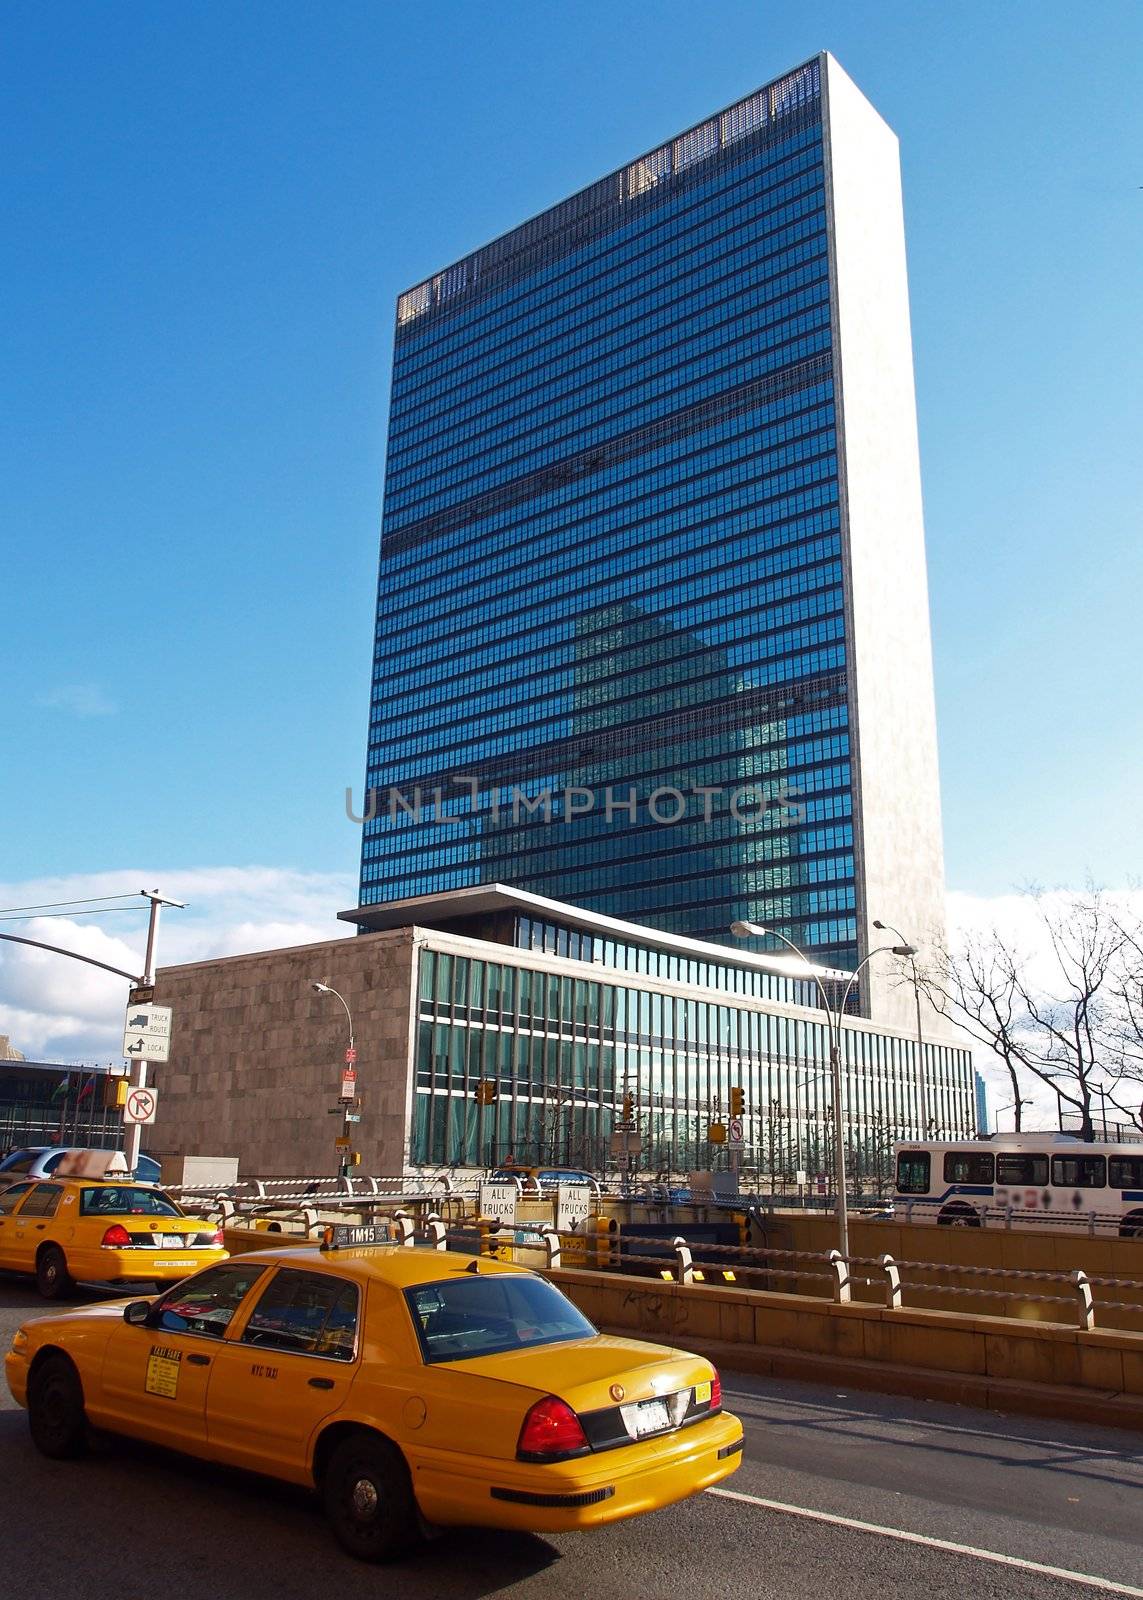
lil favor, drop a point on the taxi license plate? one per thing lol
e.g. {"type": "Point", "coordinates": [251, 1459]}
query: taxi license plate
{"type": "Point", "coordinates": [651, 1416]}
{"type": "Point", "coordinates": [173, 1241]}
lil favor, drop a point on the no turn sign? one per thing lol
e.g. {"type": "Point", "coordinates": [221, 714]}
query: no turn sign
{"type": "Point", "coordinates": [140, 1106]}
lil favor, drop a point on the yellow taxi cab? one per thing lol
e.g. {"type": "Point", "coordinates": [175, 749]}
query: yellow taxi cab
{"type": "Point", "coordinates": [408, 1386]}
{"type": "Point", "coordinates": [102, 1229]}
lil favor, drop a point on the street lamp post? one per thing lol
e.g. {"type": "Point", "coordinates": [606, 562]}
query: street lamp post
{"type": "Point", "coordinates": [351, 1059]}
{"type": "Point", "coordinates": [748, 930]}
{"type": "Point", "coordinates": [887, 927]}
{"type": "Point", "coordinates": [1014, 1107]}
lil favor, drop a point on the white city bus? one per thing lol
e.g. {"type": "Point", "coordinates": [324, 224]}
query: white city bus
{"type": "Point", "coordinates": [1022, 1180]}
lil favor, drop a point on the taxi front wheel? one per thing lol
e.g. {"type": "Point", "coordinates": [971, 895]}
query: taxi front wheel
{"type": "Point", "coordinates": [369, 1499]}
{"type": "Point", "coordinates": [56, 1417]}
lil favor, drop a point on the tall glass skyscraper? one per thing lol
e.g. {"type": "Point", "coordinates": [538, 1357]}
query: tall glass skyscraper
{"type": "Point", "coordinates": [652, 623]}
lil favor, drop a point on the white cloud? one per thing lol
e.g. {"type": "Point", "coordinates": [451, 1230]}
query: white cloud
{"type": "Point", "coordinates": [59, 1010]}
{"type": "Point", "coordinates": [81, 699]}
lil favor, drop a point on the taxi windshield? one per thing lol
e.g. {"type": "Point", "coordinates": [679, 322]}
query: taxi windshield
{"type": "Point", "coordinates": [123, 1200]}
{"type": "Point", "coordinates": [475, 1316]}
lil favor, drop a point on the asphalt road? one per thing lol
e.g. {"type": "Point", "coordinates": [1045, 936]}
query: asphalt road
{"type": "Point", "coordinates": [133, 1522]}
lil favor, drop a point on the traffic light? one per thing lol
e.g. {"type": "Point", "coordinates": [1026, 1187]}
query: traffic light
{"type": "Point", "coordinates": [114, 1093]}
{"type": "Point", "coordinates": [628, 1107]}
{"type": "Point", "coordinates": [737, 1101]}
{"type": "Point", "coordinates": [484, 1093]}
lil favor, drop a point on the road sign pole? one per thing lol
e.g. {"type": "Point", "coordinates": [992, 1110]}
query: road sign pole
{"type": "Point", "coordinates": [139, 1077]}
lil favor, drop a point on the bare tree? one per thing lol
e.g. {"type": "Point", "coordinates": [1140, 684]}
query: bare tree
{"type": "Point", "coordinates": [1063, 1027]}
{"type": "Point", "coordinates": [976, 988]}
{"type": "Point", "coordinates": [1127, 991]}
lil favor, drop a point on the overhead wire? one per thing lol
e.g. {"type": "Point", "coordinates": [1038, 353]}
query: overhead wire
{"type": "Point", "coordinates": [51, 905]}
{"type": "Point", "coordinates": [104, 911]}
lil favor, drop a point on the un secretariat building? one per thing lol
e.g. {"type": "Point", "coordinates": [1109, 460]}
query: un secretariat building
{"type": "Point", "coordinates": [651, 656]}
{"type": "Point", "coordinates": [652, 521]}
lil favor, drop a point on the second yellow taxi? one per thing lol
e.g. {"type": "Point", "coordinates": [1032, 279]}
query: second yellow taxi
{"type": "Point", "coordinates": [100, 1229]}
{"type": "Point", "coordinates": [408, 1386]}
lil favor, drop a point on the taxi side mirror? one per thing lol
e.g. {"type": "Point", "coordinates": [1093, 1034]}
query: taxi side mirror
{"type": "Point", "coordinates": [137, 1312]}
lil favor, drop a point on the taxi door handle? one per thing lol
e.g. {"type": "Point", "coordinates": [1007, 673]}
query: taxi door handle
{"type": "Point", "coordinates": [320, 1383]}
{"type": "Point", "coordinates": [198, 1361]}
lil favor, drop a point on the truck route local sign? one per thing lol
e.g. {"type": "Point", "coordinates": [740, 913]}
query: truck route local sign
{"type": "Point", "coordinates": [147, 1033]}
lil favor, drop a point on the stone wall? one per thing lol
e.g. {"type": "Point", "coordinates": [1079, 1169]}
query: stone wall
{"type": "Point", "coordinates": [257, 1056]}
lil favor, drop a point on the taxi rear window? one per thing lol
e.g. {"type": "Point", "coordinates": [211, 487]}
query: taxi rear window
{"type": "Point", "coordinates": [474, 1316]}
{"type": "Point", "coordinates": [123, 1200]}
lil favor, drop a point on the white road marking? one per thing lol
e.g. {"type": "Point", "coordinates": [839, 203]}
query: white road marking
{"type": "Point", "coordinates": [931, 1543]}
{"type": "Point", "coordinates": [939, 1427]}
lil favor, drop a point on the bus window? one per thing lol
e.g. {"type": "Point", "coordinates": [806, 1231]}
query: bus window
{"type": "Point", "coordinates": [1022, 1170]}
{"type": "Point", "coordinates": [913, 1171]}
{"type": "Point", "coordinates": [1079, 1172]}
{"type": "Point", "coordinates": [968, 1166]}
{"type": "Point", "coordinates": [1125, 1172]}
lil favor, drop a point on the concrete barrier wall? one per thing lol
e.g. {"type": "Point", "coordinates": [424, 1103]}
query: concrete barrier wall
{"type": "Point", "coordinates": [1033, 1366]}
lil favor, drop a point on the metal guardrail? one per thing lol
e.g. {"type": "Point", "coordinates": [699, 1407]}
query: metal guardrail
{"type": "Point", "coordinates": [674, 1258]}
{"type": "Point", "coordinates": [843, 1274]}
{"type": "Point", "coordinates": [423, 1215]}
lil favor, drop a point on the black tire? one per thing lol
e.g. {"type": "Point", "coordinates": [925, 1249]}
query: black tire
{"type": "Point", "coordinates": [56, 1417]}
{"type": "Point", "coordinates": [368, 1498]}
{"type": "Point", "coordinates": [53, 1280]}
{"type": "Point", "coordinates": [959, 1217]}
{"type": "Point", "coordinates": [1132, 1226]}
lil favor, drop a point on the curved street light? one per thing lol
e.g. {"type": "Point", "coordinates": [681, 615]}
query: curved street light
{"type": "Point", "coordinates": [324, 988]}
{"type": "Point", "coordinates": [755, 930]}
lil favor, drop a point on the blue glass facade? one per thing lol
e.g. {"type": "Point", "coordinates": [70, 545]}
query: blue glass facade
{"type": "Point", "coordinates": [563, 1048]}
{"type": "Point", "coordinates": [610, 661]}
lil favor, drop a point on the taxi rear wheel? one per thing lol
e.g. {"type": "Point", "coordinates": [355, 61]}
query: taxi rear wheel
{"type": "Point", "coordinates": [53, 1280]}
{"type": "Point", "coordinates": [369, 1499]}
{"type": "Point", "coordinates": [56, 1417]}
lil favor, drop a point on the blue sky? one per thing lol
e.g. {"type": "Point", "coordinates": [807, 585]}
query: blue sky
{"type": "Point", "coordinates": [209, 212]}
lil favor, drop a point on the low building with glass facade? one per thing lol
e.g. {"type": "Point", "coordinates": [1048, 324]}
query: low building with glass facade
{"type": "Point", "coordinates": [564, 1013]}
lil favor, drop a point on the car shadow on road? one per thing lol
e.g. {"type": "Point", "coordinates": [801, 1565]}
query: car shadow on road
{"type": "Point", "coordinates": [131, 1517]}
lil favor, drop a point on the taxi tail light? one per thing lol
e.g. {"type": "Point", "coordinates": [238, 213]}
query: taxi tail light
{"type": "Point", "coordinates": [116, 1237]}
{"type": "Point", "coordinates": [715, 1391]}
{"type": "Point", "coordinates": [551, 1432]}
{"type": "Point", "coordinates": [215, 1240]}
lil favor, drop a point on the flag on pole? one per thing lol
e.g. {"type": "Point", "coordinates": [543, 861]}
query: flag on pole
{"type": "Point", "coordinates": [61, 1088]}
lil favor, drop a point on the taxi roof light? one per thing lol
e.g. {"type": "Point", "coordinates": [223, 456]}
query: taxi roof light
{"type": "Point", "coordinates": [551, 1432]}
